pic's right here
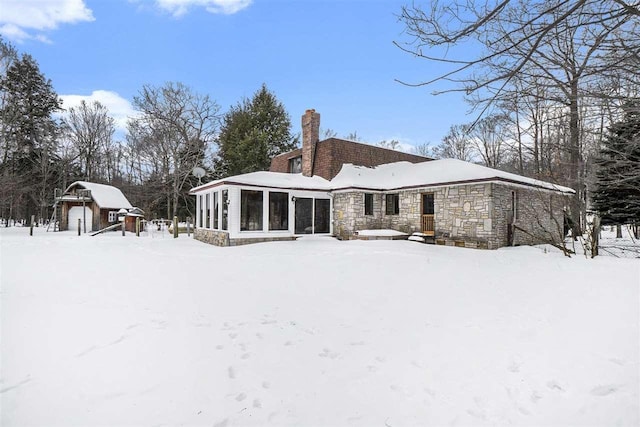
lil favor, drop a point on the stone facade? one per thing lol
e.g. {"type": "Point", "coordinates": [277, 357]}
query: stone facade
{"type": "Point", "coordinates": [349, 217]}
{"type": "Point", "coordinates": [221, 238]}
{"type": "Point", "coordinates": [539, 215]}
{"type": "Point", "coordinates": [472, 215]}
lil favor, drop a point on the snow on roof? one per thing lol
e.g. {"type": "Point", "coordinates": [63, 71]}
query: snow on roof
{"type": "Point", "coordinates": [435, 172]}
{"type": "Point", "coordinates": [391, 176]}
{"type": "Point", "coordinates": [105, 196]}
{"type": "Point", "coordinates": [273, 180]}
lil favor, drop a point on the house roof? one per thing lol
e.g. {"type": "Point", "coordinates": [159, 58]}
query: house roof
{"type": "Point", "coordinates": [387, 177]}
{"type": "Point", "coordinates": [105, 196]}
{"type": "Point", "coordinates": [400, 175]}
{"type": "Point", "coordinates": [271, 180]}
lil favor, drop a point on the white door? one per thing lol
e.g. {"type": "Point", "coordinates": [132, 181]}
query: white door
{"type": "Point", "coordinates": [75, 213]}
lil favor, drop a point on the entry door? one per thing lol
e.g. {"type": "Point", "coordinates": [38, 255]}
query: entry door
{"type": "Point", "coordinates": [304, 215]}
{"type": "Point", "coordinates": [313, 216]}
{"type": "Point", "coordinates": [428, 223]}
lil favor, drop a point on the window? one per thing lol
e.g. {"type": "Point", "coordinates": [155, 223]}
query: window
{"type": "Point", "coordinates": [295, 164]}
{"type": "Point", "coordinates": [200, 211]}
{"type": "Point", "coordinates": [113, 216]}
{"type": "Point", "coordinates": [216, 209]}
{"type": "Point", "coordinates": [225, 209]}
{"type": "Point", "coordinates": [278, 211]}
{"type": "Point", "coordinates": [392, 204]}
{"type": "Point", "coordinates": [207, 210]}
{"type": "Point", "coordinates": [250, 210]}
{"type": "Point", "coordinates": [368, 204]}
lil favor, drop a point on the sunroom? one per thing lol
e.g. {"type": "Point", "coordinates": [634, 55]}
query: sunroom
{"type": "Point", "coordinates": [262, 206]}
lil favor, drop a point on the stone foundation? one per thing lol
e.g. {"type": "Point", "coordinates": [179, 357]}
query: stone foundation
{"type": "Point", "coordinates": [221, 238]}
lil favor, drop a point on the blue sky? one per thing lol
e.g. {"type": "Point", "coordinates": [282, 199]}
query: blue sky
{"type": "Point", "coordinates": [335, 56]}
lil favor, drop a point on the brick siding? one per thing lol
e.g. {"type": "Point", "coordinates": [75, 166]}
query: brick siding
{"type": "Point", "coordinates": [332, 153]}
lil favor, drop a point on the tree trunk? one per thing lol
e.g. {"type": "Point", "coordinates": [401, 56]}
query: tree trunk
{"type": "Point", "coordinates": [574, 159]}
{"type": "Point", "coordinates": [618, 231]}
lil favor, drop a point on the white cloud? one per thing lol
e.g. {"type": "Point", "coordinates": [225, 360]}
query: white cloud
{"type": "Point", "coordinates": [119, 108]}
{"type": "Point", "coordinates": [180, 7]}
{"type": "Point", "coordinates": [26, 19]}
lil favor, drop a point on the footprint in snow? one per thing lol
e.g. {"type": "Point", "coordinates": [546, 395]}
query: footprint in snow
{"type": "Point", "coordinates": [265, 384]}
{"type": "Point", "coordinates": [535, 396]}
{"type": "Point", "coordinates": [604, 390]}
{"type": "Point", "coordinates": [553, 385]}
{"type": "Point", "coordinates": [257, 403]}
{"type": "Point", "coordinates": [241, 397]}
{"type": "Point", "coordinates": [231, 372]}
{"type": "Point", "coordinates": [245, 356]}
{"type": "Point", "coordinates": [328, 353]}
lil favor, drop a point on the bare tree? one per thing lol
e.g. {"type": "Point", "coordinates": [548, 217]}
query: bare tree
{"type": "Point", "coordinates": [457, 144]}
{"type": "Point", "coordinates": [175, 129]}
{"type": "Point", "coordinates": [561, 46]}
{"type": "Point", "coordinates": [91, 130]}
{"type": "Point", "coordinates": [489, 137]}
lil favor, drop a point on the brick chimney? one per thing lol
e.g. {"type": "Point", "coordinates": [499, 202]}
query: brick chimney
{"type": "Point", "coordinates": [310, 137]}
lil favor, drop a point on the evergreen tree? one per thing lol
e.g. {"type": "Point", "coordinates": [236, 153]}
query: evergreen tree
{"type": "Point", "coordinates": [617, 191]}
{"type": "Point", "coordinates": [29, 135]}
{"type": "Point", "coordinates": [253, 132]}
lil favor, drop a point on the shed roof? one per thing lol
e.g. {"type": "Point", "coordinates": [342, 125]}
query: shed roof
{"type": "Point", "coordinates": [106, 196]}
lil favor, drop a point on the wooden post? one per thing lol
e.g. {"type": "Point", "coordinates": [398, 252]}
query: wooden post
{"type": "Point", "coordinates": [138, 226]}
{"type": "Point", "coordinates": [33, 218]}
{"type": "Point", "coordinates": [79, 225]}
{"type": "Point", "coordinates": [123, 221]}
{"type": "Point", "coordinates": [175, 227]}
{"type": "Point", "coordinates": [188, 226]}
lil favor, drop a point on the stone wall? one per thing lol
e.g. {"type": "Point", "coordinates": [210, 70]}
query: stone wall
{"type": "Point", "coordinates": [221, 238]}
{"type": "Point", "coordinates": [473, 215]}
{"type": "Point", "coordinates": [463, 216]}
{"type": "Point", "coordinates": [462, 213]}
{"type": "Point", "coordinates": [212, 237]}
{"type": "Point", "coordinates": [349, 217]}
{"type": "Point", "coordinates": [539, 215]}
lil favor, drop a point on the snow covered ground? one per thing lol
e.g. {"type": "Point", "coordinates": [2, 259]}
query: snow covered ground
{"type": "Point", "coordinates": [119, 331]}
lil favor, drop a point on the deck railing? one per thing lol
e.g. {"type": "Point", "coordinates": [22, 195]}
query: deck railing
{"type": "Point", "coordinates": [428, 226]}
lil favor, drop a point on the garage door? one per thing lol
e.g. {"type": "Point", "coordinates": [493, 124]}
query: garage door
{"type": "Point", "coordinates": [75, 213]}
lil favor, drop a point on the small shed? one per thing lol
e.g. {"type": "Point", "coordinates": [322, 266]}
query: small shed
{"type": "Point", "coordinates": [97, 205]}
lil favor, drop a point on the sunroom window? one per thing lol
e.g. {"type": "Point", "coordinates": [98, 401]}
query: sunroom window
{"type": "Point", "coordinates": [216, 209]}
{"type": "Point", "coordinates": [250, 210]}
{"type": "Point", "coordinates": [278, 211]}
{"type": "Point", "coordinates": [225, 209]}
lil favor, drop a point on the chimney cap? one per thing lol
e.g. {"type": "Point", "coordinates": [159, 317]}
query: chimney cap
{"type": "Point", "coordinates": [310, 110]}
